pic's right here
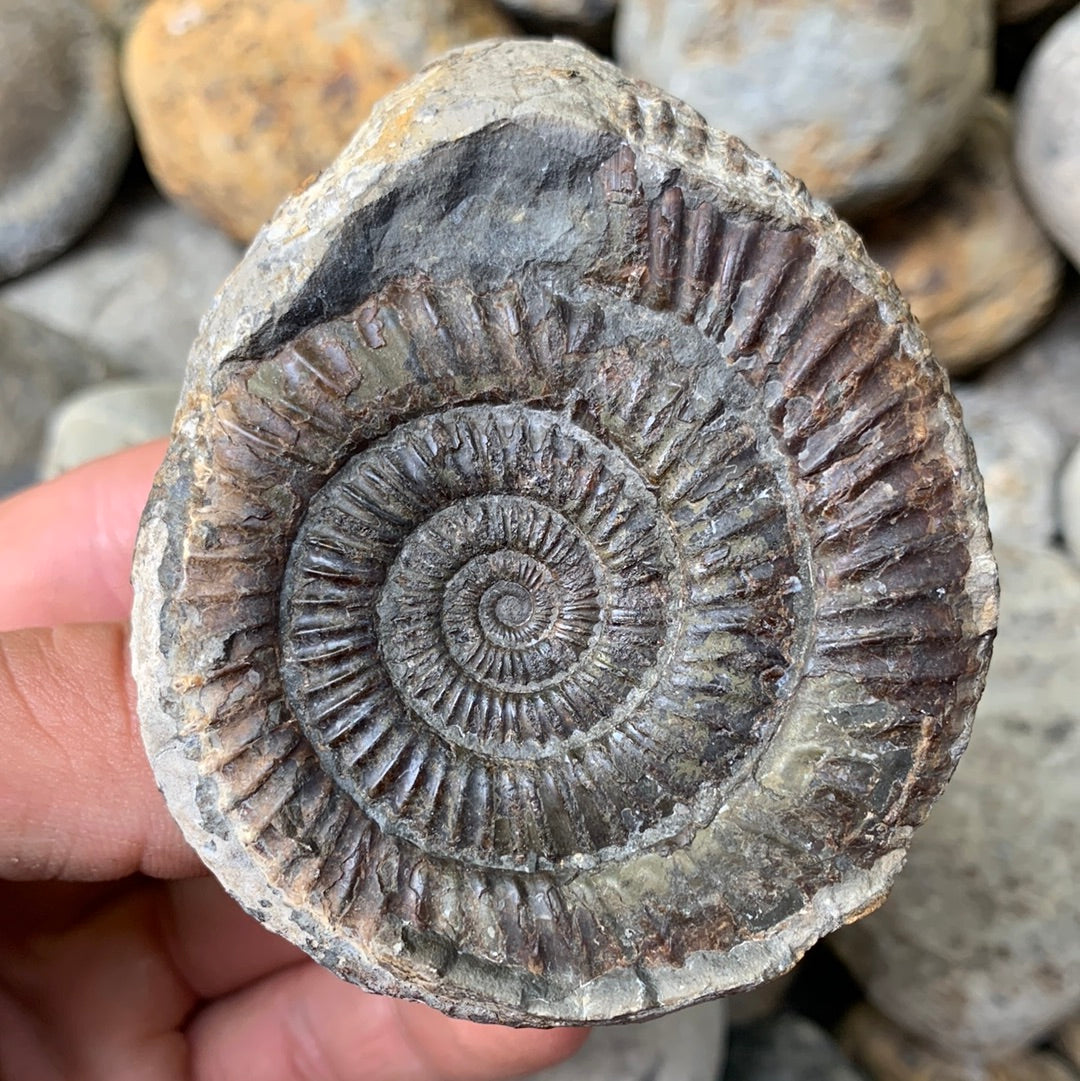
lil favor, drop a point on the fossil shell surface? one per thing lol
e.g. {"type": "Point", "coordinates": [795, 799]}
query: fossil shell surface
{"type": "Point", "coordinates": [568, 584]}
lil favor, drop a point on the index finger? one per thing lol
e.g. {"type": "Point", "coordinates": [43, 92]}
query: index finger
{"type": "Point", "coordinates": [66, 545]}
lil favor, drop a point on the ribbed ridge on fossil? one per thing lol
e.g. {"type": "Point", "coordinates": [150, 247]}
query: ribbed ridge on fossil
{"type": "Point", "coordinates": [565, 618]}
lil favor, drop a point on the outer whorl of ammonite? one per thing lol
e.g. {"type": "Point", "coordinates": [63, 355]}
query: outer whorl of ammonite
{"type": "Point", "coordinates": [568, 585]}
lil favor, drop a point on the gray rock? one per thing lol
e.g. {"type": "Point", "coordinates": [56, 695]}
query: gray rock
{"type": "Point", "coordinates": [977, 950]}
{"type": "Point", "coordinates": [861, 101]}
{"type": "Point", "coordinates": [761, 1002]}
{"type": "Point", "coordinates": [39, 367]}
{"type": "Point", "coordinates": [887, 1053]}
{"type": "Point", "coordinates": [1042, 376]}
{"type": "Point", "coordinates": [105, 419]}
{"type": "Point", "coordinates": [136, 287]}
{"type": "Point", "coordinates": [1067, 1040]}
{"type": "Point", "coordinates": [786, 1048]}
{"type": "Point", "coordinates": [63, 128]}
{"type": "Point", "coordinates": [1015, 11]}
{"type": "Point", "coordinates": [1048, 132]}
{"type": "Point", "coordinates": [1019, 455]}
{"type": "Point", "coordinates": [573, 12]}
{"type": "Point", "coordinates": [119, 14]}
{"type": "Point", "coordinates": [684, 1046]}
{"type": "Point", "coordinates": [1069, 504]}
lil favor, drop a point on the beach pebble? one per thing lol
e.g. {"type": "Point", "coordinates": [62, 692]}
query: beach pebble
{"type": "Point", "coordinates": [1042, 375]}
{"type": "Point", "coordinates": [1048, 132]}
{"type": "Point", "coordinates": [976, 267]}
{"type": "Point", "coordinates": [104, 419]}
{"type": "Point", "coordinates": [39, 367]}
{"type": "Point", "coordinates": [1019, 455]}
{"type": "Point", "coordinates": [119, 14]}
{"type": "Point", "coordinates": [977, 950]}
{"type": "Point", "coordinates": [237, 102]}
{"type": "Point", "coordinates": [1069, 504]}
{"type": "Point", "coordinates": [685, 1046]}
{"type": "Point", "coordinates": [786, 1048]}
{"type": "Point", "coordinates": [887, 1053]}
{"type": "Point", "coordinates": [136, 287]}
{"type": "Point", "coordinates": [64, 132]}
{"type": "Point", "coordinates": [861, 101]}
{"type": "Point", "coordinates": [1016, 11]}
{"type": "Point", "coordinates": [565, 12]}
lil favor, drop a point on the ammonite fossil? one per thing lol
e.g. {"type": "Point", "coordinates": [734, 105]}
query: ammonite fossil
{"type": "Point", "coordinates": [568, 585]}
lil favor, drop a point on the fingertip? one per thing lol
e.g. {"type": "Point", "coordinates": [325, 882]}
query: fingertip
{"type": "Point", "coordinates": [77, 796]}
{"type": "Point", "coordinates": [503, 1052]}
{"type": "Point", "coordinates": [66, 545]}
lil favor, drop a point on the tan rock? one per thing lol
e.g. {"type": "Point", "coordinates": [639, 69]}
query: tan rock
{"type": "Point", "coordinates": [976, 267]}
{"type": "Point", "coordinates": [889, 1054]}
{"type": "Point", "coordinates": [1048, 132]}
{"type": "Point", "coordinates": [1017, 11]}
{"type": "Point", "coordinates": [237, 102]}
{"type": "Point", "coordinates": [861, 100]}
{"type": "Point", "coordinates": [1067, 1040]}
{"type": "Point", "coordinates": [119, 14]}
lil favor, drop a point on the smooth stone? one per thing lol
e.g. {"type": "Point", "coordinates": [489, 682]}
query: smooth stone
{"type": "Point", "coordinates": [136, 287]}
{"type": "Point", "coordinates": [105, 419]}
{"type": "Point", "coordinates": [237, 102]}
{"type": "Point", "coordinates": [861, 101]}
{"type": "Point", "coordinates": [39, 367]}
{"type": "Point", "coordinates": [1069, 504]}
{"type": "Point", "coordinates": [1048, 132]}
{"type": "Point", "coordinates": [1018, 11]}
{"type": "Point", "coordinates": [1042, 375]}
{"type": "Point", "coordinates": [977, 950]}
{"type": "Point", "coordinates": [119, 14]}
{"type": "Point", "coordinates": [63, 128]}
{"type": "Point", "coordinates": [685, 1046]}
{"type": "Point", "coordinates": [1067, 1040]}
{"type": "Point", "coordinates": [889, 1054]}
{"type": "Point", "coordinates": [786, 1048]}
{"type": "Point", "coordinates": [975, 266]}
{"type": "Point", "coordinates": [1019, 455]}
{"type": "Point", "coordinates": [761, 1002]}
{"type": "Point", "coordinates": [566, 12]}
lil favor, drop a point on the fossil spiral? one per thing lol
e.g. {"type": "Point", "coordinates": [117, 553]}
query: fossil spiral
{"type": "Point", "coordinates": [568, 584]}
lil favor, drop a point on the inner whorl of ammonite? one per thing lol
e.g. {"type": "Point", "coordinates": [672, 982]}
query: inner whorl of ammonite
{"type": "Point", "coordinates": [492, 600]}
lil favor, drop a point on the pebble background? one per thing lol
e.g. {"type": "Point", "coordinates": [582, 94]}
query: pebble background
{"type": "Point", "coordinates": [966, 185]}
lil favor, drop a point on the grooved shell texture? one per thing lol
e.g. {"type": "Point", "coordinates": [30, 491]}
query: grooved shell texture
{"type": "Point", "coordinates": [568, 584]}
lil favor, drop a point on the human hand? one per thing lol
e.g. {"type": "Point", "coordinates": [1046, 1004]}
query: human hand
{"type": "Point", "coordinates": [120, 959]}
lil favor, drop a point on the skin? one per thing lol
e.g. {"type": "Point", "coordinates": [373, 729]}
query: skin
{"type": "Point", "coordinates": [120, 959]}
